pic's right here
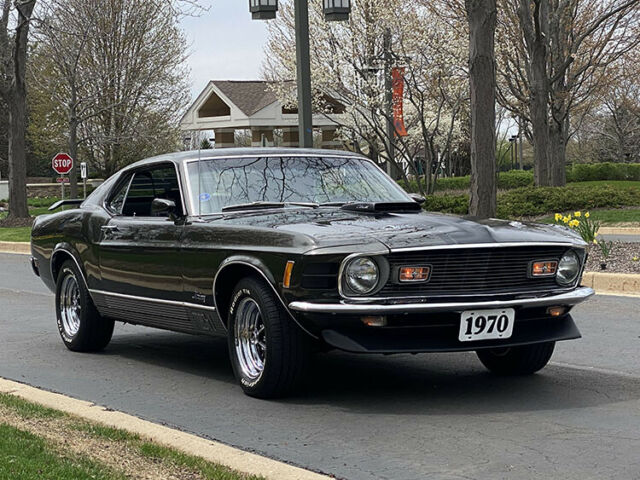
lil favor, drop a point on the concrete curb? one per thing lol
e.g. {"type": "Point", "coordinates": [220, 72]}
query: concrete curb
{"type": "Point", "coordinates": [627, 284]}
{"type": "Point", "coordinates": [239, 460]}
{"type": "Point", "coordinates": [23, 248]}
{"type": "Point", "coordinates": [619, 231]}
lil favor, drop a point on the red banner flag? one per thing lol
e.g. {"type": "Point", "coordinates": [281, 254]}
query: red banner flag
{"type": "Point", "coordinates": [397, 76]}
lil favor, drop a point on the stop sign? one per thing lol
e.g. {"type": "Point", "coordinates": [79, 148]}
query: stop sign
{"type": "Point", "coordinates": [62, 163]}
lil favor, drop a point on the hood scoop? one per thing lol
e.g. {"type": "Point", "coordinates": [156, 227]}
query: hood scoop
{"type": "Point", "coordinates": [382, 207]}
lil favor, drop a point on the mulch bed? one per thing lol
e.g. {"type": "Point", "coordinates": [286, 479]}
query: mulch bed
{"type": "Point", "coordinates": [620, 260]}
{"type": "Point", "coordinates": [16, 222]}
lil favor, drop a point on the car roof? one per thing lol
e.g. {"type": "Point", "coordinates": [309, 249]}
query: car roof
{"type": "Point", "coordinates": [181, 157]}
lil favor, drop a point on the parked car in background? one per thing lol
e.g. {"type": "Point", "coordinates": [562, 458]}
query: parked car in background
{"type": "Point", "coordinates": [285, 251]}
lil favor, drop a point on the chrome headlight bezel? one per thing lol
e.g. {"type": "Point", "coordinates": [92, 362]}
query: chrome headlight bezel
{"type": "Point", "coordinates": [348, 282]}
{"type": "Point", "coordinates": [569, 268]}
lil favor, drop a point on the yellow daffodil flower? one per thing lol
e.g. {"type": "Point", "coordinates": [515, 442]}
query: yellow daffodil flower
{"type": "Point", "coordinates": [577, 214]}
{"type": "Point", "coordinates": [636, 258]}
{"type": "Point", "coordinates": [574, 223]}
{"type": "Point", "coordinates": [566, 219]}
{"type": "Point", "coordinates": [558, 217]}
{"type": "Point", "coordinates": [587, 215]}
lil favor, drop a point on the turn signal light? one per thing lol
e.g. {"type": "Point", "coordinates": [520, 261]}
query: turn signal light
{"type": "Point", "coordinates": [286, 279]}
{"type": "Point", "coordinates": [544, 269]}
{"type": "Point", "coordinates": [374, 321]}
{"type": "Point", "coordinates": [556, 311]}
{"type": "Point", "coordinates": [414, 274]}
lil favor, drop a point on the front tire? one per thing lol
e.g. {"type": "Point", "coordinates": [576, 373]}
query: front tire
{"type": "Point", "coordinates": [269, 352]}
{"type": "Point", "coordinates": [522, 360]}
{"type": "Point", "coordinates": [81, 327]}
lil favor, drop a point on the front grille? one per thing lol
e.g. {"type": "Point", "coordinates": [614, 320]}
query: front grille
{"type": "Point", "coordinates": [471, 271]}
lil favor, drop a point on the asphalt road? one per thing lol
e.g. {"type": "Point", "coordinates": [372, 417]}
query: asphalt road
{"type": "Point", "coordinates": [364, 417]}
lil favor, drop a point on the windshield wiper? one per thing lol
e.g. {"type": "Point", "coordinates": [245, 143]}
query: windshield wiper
{"type": "Point", "coordinates": [266, 205]}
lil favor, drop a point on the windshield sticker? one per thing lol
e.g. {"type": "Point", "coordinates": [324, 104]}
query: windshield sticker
{"type": "Point", "coordinates": [205, 197]}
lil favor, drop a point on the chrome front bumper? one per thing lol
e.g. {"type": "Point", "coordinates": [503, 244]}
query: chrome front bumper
{"type": "Point", "coordinates": [564, 299]}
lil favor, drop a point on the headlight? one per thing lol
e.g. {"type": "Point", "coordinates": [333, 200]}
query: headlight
{"type": "Point", "coordinates": [568, 268]}
{"type": "Point", "coordinates": [361, 275]}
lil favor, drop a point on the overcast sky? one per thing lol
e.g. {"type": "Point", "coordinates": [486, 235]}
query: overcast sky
{"type": "Point", "coordinates": [225, 43]}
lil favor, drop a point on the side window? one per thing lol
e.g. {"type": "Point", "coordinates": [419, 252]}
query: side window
{"type": "Point", "coordinates": [159, 182]}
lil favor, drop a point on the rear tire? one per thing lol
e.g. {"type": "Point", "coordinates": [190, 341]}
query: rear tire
{"type": "Point", "coordinates": [522, 360]}
{"type": "Point", "coordinates": [81, 327]}
{"type": "Point", "coordinates": [269, 352]}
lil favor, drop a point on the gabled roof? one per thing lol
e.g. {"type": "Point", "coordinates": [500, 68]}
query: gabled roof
{"type": "Point", "coordinates": [250, 96]}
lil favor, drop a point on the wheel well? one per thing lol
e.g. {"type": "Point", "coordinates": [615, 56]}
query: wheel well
{"type": "Point", "coordinates": [57, 260]}
{"type": "Point", "coordinates": [226, 281]}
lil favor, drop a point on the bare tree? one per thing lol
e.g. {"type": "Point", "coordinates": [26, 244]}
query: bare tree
{"type": "Point", "coordinates": [119, 73]}
{"type": "Point", "coordinates": [554, 56]}
{"type": "Point", "coordinates": [481, 15]}
{"type": "Point", "coordinates": [13, 90]}
{"type": "Point", "coordinates": [351, 62]}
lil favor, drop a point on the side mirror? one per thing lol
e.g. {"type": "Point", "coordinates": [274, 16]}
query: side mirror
{"type": "Point", "coordinates": [419, 199]}
{"type": "Point", "coordinates": [161, 207]}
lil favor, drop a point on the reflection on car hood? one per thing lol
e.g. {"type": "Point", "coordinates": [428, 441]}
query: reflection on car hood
{"type": "Point", "coordinates": [330, 226]}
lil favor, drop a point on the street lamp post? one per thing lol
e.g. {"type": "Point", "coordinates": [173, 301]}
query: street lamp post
{"type": "Point", "coordinates": [303, 66]}
{"type": "Point", "coordinates": [334, 10]}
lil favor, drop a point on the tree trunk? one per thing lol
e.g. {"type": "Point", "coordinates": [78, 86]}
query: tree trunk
{"type": "Point", "coordinates": [539, 116]}
{"type": "Point", "coordinates": [17, 103]}
{"type": "Point", "coordinates": [557, 151]}
{"type": "Point", "coordinates": [535, 27]}
{"type": "Point", "coordinates": [17, 158]}
{"type": "Point", "coordinates": [481, 15]}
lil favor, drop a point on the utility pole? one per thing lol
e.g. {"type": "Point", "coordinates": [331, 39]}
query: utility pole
{"type": "Point", "coordinates": [305, 127]}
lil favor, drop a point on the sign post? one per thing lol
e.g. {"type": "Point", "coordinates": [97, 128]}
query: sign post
{"type": "Point", "coordinates": [83, 175]}
{"type": "Point", "coordinates": [62, 164]}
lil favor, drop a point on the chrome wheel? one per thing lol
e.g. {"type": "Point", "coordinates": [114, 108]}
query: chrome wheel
{"type": "Point", "coordinates": [250, 338]}
{"type": "Point", "coordinates": [70, 307]}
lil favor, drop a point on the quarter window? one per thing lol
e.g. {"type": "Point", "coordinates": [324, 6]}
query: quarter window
{"type": "Point", "coordinates": [116, 200]}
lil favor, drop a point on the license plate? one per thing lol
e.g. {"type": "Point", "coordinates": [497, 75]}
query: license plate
{"type": "Point", "coordinates": [486, 324]}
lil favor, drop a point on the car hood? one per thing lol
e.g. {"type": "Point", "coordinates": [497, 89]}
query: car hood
{"type": "Point", "coordinates": [332, 227]}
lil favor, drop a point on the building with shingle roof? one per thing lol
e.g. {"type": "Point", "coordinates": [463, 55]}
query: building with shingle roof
{"type": "Point", "coordinates": [225, 106]}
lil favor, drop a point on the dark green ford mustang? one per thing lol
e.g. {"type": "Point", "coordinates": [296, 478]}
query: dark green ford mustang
{"type": "Point", "coordinates": [287, 251]}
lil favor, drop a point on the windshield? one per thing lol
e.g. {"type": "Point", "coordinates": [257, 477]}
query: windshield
{"type": "Point", "coordinates": [225, 182]}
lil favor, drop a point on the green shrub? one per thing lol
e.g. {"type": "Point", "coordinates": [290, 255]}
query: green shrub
{"type": "Point", "coordinates": [506, 181]}
{"type": "Point", "coordinates": [458, 204]}
{"type": "Point", "coordinates": [515, 179]}
{"type": "Point", "coordinates": [534, 201]}
{"type": "Point", "coordinates": [581, 172]}
{"type": "Point", "coordinates": [453, 183]}
{"type": "Point", "coordinates": [585, 172]}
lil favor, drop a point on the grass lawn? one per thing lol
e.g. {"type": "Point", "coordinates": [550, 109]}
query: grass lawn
{"type": "Point", "coordinates": [618, 215]}
{"type": "Point", "coordinates": [41, 443]}
{"type": "Point", "coordinates": [23, 234]}
{"type": "Point", "coordinates": [26, 456]}
{"type": "Point", "coordinates": [17, 234]}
